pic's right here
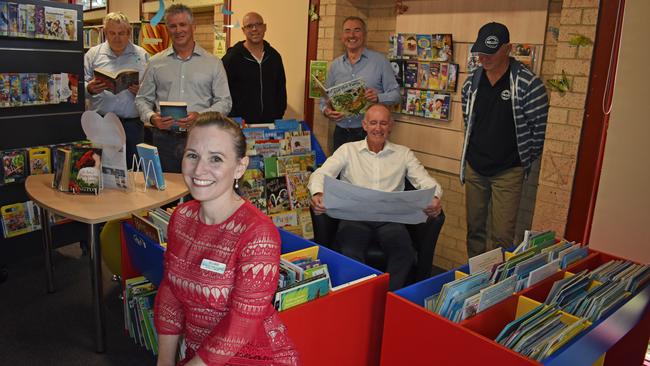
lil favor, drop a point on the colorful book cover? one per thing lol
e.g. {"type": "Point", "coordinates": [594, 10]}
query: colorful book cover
{"type": "Point", "coordinates": [254, 133]}
{"type": "Point", "coordinates": [85, 170]}
{"type": "Point", "coordinates": [43, 96]}
{"type": "Point", "coordinates": [399, 50]}
{"type": "Point", "coordinates": [296, 163]}
{"type": "Point", "coordinates": [255, 167]}
{"type": "Point", "coordinates": [39, 21]}
{"type": "Point", "coordinates": [285, 219]}
{"type": "Point", "coordinates": [267, 147]}
{"type": "Point", "coordinates": [300, 143]}
{"type": "Point", "coordinates": [398, 70]}
{"type": "Point", "coordinates": [271, 167]}
{"type": "Point", "coordinates": [428, 109]}
{"type": "Point", "coordinates": [15, 90]}
{"type": "Point", "coordinates": [30, 23]}
{"type": "Point", "coordinates": [411, 74]}
{"type": "Point", "coordinates": [4, 19]}
{"type": "Point", "coordinates": [29, 85]}
{"type": "Point", "coordinates": [318, 71]}
{"type": "Point", "coordinates": [12, 12]}
{"type": "Point", "coordinates": [306, 225]}
{"type": "Point", "coordinates": [14, 164]}
{"type": "Point", "coordinates": [5, 90]}
{"type": "Point", "coordinates": [349, 97]}
{"type": "Point", "coordinates": [441, 106]}
{"type": "Point", "coordinates": [423, 74]}
{"type": "Point", "coordinates": [22, 19]}
{"type": "Point", "coordinates": [151, 168]}
{"type": "Point", "coordinates": [423, 102]}
{"type": "Point", "coordinates": [54, 20]}
{"type": "Point", "coordinates": [39, 160]}
{"type": "Point", "coordinates": [444, 75]}
{"type": "Point", "coordinates": [419, 108]}
{"type": "Point", "coordinates": [254, 190]}
{"type": "Point", "coordinates": [425, 51]}
{"type": "Point", "coordinates": [309, 290]}
{"type": "Point", "coordinates": [122, 79]}
{"type": "Point", "coordinates": [392, 47]}
{"type": "Point", "coordinates": [277, 195]}
{"type": "Point", "coordinates": [15, 220]}
{"type": "Point", "coordinates": [442, 45]}
{"type": "Point", "coordinates": [298, 193]}
{"type": "Point", "coordinates": [452, 77]}
{"type": "Point", "coordinates": [70, 24]}
{"type": "Point", "coordinates": [434, 79]}
{"type": "Point", "coordinates": [410, 46]}
{"type": "Point", "coordinates": [410, 102]}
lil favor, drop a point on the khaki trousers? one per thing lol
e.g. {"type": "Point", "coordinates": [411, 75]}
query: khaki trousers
{"type": "Point", "coordinates": [500, 194]}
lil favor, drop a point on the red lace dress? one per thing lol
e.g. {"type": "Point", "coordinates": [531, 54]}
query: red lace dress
{"type": "Point", "coordinates": [226, 314]}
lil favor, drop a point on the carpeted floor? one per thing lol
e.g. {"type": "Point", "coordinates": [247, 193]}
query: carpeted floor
{"type": "Point", "coordinates": [43, 329]}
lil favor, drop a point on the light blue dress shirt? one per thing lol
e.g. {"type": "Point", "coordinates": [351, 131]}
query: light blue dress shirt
{"type": "Point", "coordinates": [101, 56]}
{"type": "Point", "coordinates": [374, 69]}
{"type": "Point", "coordinates": [200, 81]}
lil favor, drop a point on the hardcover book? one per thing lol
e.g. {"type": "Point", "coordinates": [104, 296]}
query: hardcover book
{"type": "Point", "coordinates": [85, 170]}
{"type": "Point", "coordinates": [348, 97]}
{"type": "Point", "coordinates": [175, 110]}
{"type": "Point", "coordinates": [298, 193]}
{"type": "Point", "coordinates": [39, 160]}
{"type": "Point", "coordinates": [277, 196]}
{"type": "Point", "coordinates": [151, 168]}
{"type": "Point", "coordinates": [120, 80]}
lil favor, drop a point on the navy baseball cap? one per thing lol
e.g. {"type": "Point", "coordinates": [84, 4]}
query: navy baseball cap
{"type": "Point", "coordinates": [490, 38]}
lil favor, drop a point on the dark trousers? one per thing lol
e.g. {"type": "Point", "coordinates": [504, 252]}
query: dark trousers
{"type": "Point", "coordinates": [170, 148]}
{"type": "Point", "coordinates": [134, 131]}
{"type": "Point", "coordinates": [345, 135]}
{"type": "Point", "coordinates": [394, 239]}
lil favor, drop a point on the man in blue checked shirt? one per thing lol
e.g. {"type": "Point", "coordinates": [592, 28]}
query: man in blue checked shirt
{"type": "Point", "coordinates": [358, 62]}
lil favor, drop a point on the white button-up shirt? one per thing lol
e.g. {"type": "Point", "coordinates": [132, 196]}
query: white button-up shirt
{"type": "Point", "coordinates": [383, 171]}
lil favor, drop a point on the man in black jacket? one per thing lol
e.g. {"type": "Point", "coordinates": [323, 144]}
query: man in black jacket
{"type": "Point", "coordinates": [255, 75]}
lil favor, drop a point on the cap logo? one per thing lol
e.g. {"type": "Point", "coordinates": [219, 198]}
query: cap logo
{"type": "Point", "coordinates": [492, 42]}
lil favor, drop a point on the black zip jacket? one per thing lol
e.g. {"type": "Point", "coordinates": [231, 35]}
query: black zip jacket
{"type": "Point", "coordinates": [258, 91]}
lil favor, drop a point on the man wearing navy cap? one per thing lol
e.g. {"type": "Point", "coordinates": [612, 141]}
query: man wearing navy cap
{"type": "Point", "coordinates": [505, 107]}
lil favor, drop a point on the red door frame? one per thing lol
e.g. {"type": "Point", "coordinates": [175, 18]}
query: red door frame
{"type": "Point", "coordinates": [594, 127]}
{"type": "Point", "coordinates": [312, 54]}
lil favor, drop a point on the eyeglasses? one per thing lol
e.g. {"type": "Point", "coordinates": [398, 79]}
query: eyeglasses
{"type": "Point", "coordinates": [253, 26]}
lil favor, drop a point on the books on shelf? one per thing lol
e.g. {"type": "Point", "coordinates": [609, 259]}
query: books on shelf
{"type": "Point", "coordinates": [39, 160]}
{"type": "Point", "coordinates": [119, 80]}
{"type": "Point", "coordinates": [19, 218]}
{"type": "Point", "coordinates": [427, 47]}
{"type": "Point", "coordinates": [150, 163]}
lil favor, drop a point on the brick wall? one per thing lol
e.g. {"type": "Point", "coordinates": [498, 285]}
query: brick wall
{"type": "Point", "coordinates": [204, 33]}
{"type": "Point", "coordinates": [566, 113]}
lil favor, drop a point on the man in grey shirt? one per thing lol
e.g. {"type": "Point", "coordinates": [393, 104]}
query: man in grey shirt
{"type": "Point", "coordinates": [186, 73]}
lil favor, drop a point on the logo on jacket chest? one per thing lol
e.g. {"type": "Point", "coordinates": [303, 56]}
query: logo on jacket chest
{"type": "Point", "coordinates": [505, 95]}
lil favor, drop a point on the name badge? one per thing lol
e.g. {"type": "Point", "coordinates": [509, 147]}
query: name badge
{"type": "Point", "coordinates": [213, 266]}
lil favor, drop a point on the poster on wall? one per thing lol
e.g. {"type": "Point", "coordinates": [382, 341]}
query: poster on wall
{"type": "Point", "coordinates": [318, 70]}
{"type": "Point", "coordinates": [219, 44]}
{"type": "Point", "coordinates": [154, 38]}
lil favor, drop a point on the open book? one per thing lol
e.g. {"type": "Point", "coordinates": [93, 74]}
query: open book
{"type": "Point", "coordinates": [117, 81]}
{"type": "Point", "coordinates": [348, 97]}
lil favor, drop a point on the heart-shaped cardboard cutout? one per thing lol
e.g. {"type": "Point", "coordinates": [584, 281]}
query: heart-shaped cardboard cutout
{"type": "Point", "coordinates": [105, 130]}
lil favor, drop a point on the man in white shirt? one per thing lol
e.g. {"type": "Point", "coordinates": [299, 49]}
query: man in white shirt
{"type": "Point", "coordinates": [117, 53]}
{"type": "Point", "coordinates": [376, 163]}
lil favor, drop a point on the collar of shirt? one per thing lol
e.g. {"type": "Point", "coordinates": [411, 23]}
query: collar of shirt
{"type": "Point", "coordinates": [106, 50]}
{"type": "Point", "coordinates": [198, 50]}
{"type": "Point", "coordinates": [364, 53]}
{"type": "Point", "coordinates": [363, 146]}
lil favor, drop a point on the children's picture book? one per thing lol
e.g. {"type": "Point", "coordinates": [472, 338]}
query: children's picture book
{"type": "Point", "coordinates": [5, 89]}
{"type": "Point", "coordinates": [452, 77]}
{"type": "Point", "coordinates": [301, 292]}
{"type": "Point", "coordinates": [299, 142]}
{"type": "Point", "coordinates": [277, 195]}
{"type": "Point", "coordinates": [306, 225]}
{"type": "Point", "coordinates": [85, 170]}
{"type": "Point", "coordinates": [296, 163]}
{"type": "Point", "coordinates": [54, 23]}
{"type": "Point", "coordinates": [434, 78]}
{"type": "Point", "coordinates": [147, 228]}
{"type": "Point", "coordinates": [410, 46]}
{"type": "Point", "coordinates": [119, 80]}
{"type": "Point", "coordinates": [15, 90]}
{"type": "Point", "coordinates": [425, 51]}
{"type": "Point", "coordinates": [4, 19]}
{"type": "Point", "coordinates": [441, 106]}
{"type": "Point", "coordinates": [318, 71]}
{"type": "Point", "coordinates": [424, 69]}
{"type": "Point", "coordinates": [19, 218]}
{"type": "Point", "coordinates": [409, 106]}
{"type": "Point", "coordinates": [150, 164]}
{"type": "Point", "coordinates": [442, 45]}
{"type": "Point", "coordinates": [398, 70]}
{"type": "Point", "coordinates": [299, 196]}
{"type": "Point", "coordinates": [286, 219]}
{"type": "Point", "coordinates": [411, 74]}
{"type": "Point", "coordinates": [12, 12]}
{"type": "Point", "coordinates": [14, 164]}
{"type": "Point", "coordinates": [39, 160]}
{"type": "Point", "coordinates": [267, 148]}
{"type": "Point", "coordinates": [70, 24]}
{"type": "Point", "coordinates": [39, 21]}
{"type": "Point", "coordinates": [254, 190]}
{"type": "Point", "coordinates": [348, 98]}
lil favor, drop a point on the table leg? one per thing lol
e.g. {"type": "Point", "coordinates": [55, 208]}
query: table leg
{"type": "Point", "coordinates": [47, 249]}
{"type": "Point", "coordinates": [97, 288]}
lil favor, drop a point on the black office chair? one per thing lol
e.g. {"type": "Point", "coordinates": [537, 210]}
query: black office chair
{"type": "Point", "coordinates": [424, 237]}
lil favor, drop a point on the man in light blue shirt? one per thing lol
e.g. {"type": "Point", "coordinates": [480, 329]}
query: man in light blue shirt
{"type": "Point", "coordinates": [186, 73]}
{"type": "Point", "coordinates": [117, 53]}
{"type": "Point", "coordinates": [358, 62]}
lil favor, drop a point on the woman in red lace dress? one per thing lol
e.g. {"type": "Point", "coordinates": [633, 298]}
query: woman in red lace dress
{"type": "Point", "coordinates": [221, 263]}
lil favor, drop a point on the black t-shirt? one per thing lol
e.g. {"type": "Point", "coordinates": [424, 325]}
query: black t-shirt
{"type": "Point", "coordinates": [493, 140]}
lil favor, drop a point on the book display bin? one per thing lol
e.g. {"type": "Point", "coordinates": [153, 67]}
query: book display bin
{"type": "Point", "coordinates": [416, 336]}
{"type": "Point", "coordinates": [344, 327]}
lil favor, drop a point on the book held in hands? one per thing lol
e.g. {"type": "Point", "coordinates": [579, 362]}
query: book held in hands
{"type": "Point", "coordinates": [175, 110]}
{"type": "Point", "coordinates": [348, 98]}
{"type": "Point", "coordinates": [117, 81]}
